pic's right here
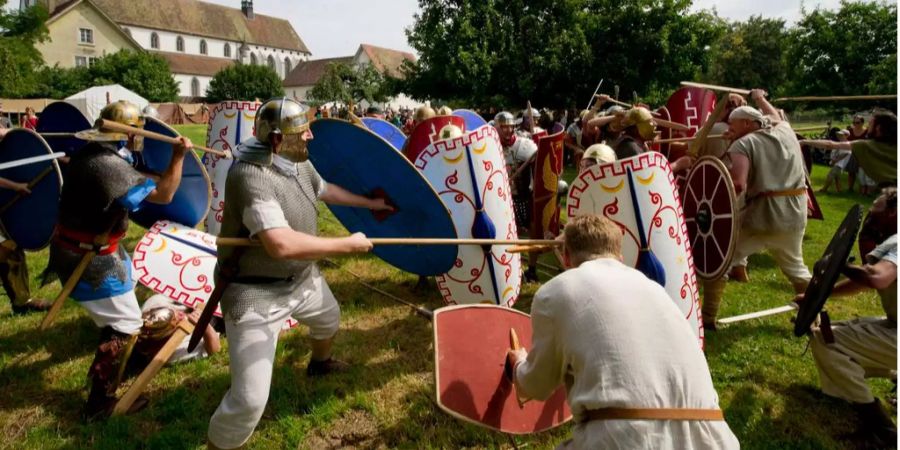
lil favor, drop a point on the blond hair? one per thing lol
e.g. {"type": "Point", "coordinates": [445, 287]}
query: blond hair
{"type": "Point", "coordinates": [591, 237]}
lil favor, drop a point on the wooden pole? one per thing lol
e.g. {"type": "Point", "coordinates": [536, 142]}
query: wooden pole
{"type": "Point", "coordinates": [66, 290]}
{"type": "Point", "coordinates": [715, 87]}
{"type": "Point", "coordinates": [661, 122]}
{"type": "Point", "coordinates": [244, 242]}
{"type": "Point", "coordinates": [699, 143]}
{"type": "Point", "coordinates": [121, 128]}
{"type": "Point", "coordinates": [686, 139]}
{"type": "Point", "coordinates": [55, 134]}
{"type": "Point", "coordinates": [183, 330]}
{"type": "Point", "coordinates": [514, 344]}
{"type": "Point", "coordinates": [34, 181]}
{"type": "Point", "coordinates": [834, 98]}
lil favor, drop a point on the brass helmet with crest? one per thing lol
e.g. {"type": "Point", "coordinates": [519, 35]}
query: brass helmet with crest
{"type": "Point", "coordinates": [281, 116]}
{"type": "Point", "coordinates": [642, 119]}
{"type": "Point", "coordinates": [121, 111]}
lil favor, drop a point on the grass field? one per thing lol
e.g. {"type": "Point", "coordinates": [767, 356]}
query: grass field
{"type": "Point", "coordinates": [765, 379]}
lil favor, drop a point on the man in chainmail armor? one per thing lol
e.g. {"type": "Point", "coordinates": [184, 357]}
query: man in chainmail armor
{"type": "Point", "coordinates": [271, 195]}
{"type": "Point", "coordinates": [102, 187]}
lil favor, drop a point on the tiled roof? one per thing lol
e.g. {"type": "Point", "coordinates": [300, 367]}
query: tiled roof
{"type": "Point", "coordinates": [199, 18]}
{"type": "Point", "coordinates": [387, 61]}
{"type": "Point", "coordinates": [194, 64]}
{"type": "Point", "coordinates": [307, 73]}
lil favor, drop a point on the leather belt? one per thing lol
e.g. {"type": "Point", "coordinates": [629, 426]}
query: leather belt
{"type": "Point", "coordinates": [785, 193]}
{"type": "Point", "coordinates": [653, 414]}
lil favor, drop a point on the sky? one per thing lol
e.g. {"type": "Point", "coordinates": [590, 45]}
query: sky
{"type": "Point", "coordinates": [333, 28]}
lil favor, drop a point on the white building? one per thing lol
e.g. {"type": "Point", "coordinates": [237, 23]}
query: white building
{"type": "Point", "coordinates": [197, 38]}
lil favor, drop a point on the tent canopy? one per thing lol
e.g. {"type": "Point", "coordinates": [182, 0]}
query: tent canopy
{"type": "Point", "coordinates": [91, 101]}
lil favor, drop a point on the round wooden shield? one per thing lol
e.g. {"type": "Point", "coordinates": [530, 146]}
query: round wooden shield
{"type": "Point", "coordinates": [827, 270]}
{"type": "Point", "coordinates": [428, 132]}
{"type": "Point", "coordinates": [230, 123]}
{"type": "Point", "coordinates": [473, 120]}
{"type": "Point", "coordinates": [62, 117]}
{"type": "Point", "coordinates": [29, 219]}
{"type": "Point", "coordinates": [386, 130]}
{"type": "Point", "coordinates": [179, 262]}
{"type": "Point", "coordinates": [711, 216]}
{"type": "Point", "coordinates": [470, 345]}
{"type": "Point", "coordinates": [193, 197]}
{"type": "Point", "coordinates": [363, 163]}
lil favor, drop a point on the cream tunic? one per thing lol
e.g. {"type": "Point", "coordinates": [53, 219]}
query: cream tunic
{"type": "Point", "coordinates": [616, 339]}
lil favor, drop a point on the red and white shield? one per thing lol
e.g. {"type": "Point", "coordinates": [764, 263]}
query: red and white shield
{"type": "Point", "coordinates": [470, 346]}
{"type": "Point", "coordinates": [179, 262]}
{"type": "Point", "coordinates": [548, 166]}
{"type": "Point", "coordinates": [427, 132]}
{"type": "Point", "coordinates": [470, 177]}
{"type": "Point", "coordinates": [604, 190]}
{"type": "Point", "coordinates": [710, 211]}
{"type": "Point", "coordinates": [230, 123]}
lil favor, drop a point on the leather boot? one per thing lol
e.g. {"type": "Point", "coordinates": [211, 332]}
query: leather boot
{"type": "Point", "coordinates": [712, 298]}
{"type": "Point", "coordinates": [877, 424]}
{"type": "Point", "coordinates": [106, 372]}
{"type": "Point", "coordinates": [739, 274]}
{"type": "Point", "coordinates": [329, 366]}
{"type": "Point", "coordinates": [14, 276]}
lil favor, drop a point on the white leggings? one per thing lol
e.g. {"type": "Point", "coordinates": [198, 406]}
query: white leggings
{"type": "Point", "coordinates": [251, 346]}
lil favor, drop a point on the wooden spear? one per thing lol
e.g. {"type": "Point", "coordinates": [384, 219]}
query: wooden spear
{"type": "Point", "coordinates": [122, 128]}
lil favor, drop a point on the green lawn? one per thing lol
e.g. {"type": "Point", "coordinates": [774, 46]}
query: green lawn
{"type": "Point", "coordinates": [766, 380]}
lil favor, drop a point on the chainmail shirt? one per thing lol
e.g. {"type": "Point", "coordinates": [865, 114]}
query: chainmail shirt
{"type": "Point", "coordinates": [260, 197]}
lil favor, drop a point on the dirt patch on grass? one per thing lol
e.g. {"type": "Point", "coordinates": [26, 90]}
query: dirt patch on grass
{"type": "Point", "coordinates": [355, 429]}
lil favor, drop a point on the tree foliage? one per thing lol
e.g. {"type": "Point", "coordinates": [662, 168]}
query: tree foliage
{"type": "Point", "coordinates": [19, 59]}
{"type": "Point", "coordinates": [244, 82]}
{"type": "Point", "coordinates": [751, 53]}
{"type": "Point", "coordinates": [345, 83]}
{"type": "Point", "coordinates": [848, 51]}
{"type": "Point", "coordinates": [553, 52]}
{"type": "Point", "coordinates": [145, 73]}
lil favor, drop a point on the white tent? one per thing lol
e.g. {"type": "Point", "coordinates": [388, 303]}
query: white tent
{"type": "Point", "coordinates": [91, 101]}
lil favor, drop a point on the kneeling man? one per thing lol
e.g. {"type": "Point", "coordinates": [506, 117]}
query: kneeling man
{"type": "Point", "coordinates": [634, 374]}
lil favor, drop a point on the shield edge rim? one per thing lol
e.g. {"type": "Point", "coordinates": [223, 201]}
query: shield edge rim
{"type": "Point", "coordinates": [59, 178]}
{"type": "Point", "coordinates": [735, 225]}
{"type": "Point", "coordinates": [437, 397]}
{"type": "Point", "coordinates": [202, 171]}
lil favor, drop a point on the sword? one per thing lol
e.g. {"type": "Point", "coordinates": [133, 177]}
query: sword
{"type": "Point", "coordinates": [31, 160]}
{"type": "Point", "coordinates": [759, 314]}
{"type": "Point", "coordinates": [594, 95]}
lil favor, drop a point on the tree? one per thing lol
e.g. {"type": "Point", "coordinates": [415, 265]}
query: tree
{"type": "Point", "coordinates": [345, 83]}
{"type": "Point", "coordinates": [19, 59]}
{"type": "Point", "coordinates": [553, 52]}
{"type": "Point", "coordinates": [244, 82]}
{"type": "Point", "coordinates": [145, 73]}
{"type": "Point", "coordinates": [751, 54]}
{"type": "Point", "coordinates": [848, 51]}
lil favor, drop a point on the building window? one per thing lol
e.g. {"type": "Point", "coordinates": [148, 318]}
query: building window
{"type": "Point", "coordinates": [253, 60]}
{"type": "Point", "coordinates": [227, 51]}
{"type": "Point", "coordinates": [287, 66]}
{"type": "Point", "coordinates": [203, 48]}
{"type": "Point", "coordinates": [86, 35]}
{"type": "Point", "coordinates": [154, 41]}
{"type": "Point", "coordinates": [81, 61]}
{"type": "Point", "coordinates": [179, 44]}
{"type": "Point", "coordinates": [270, 61]}
{"type": "Point", "coordinates": [195, 87]}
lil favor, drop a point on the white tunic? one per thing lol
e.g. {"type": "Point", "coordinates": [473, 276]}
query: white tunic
{"type": "Point", "coordinates": [616, 339]}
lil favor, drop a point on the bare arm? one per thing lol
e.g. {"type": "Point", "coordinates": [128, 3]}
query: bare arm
{"type": "Point", "coordinates": [759, 97]}
{"type": "Point", "coordinates": [171, 178]}
{"type": "Point", "coordinates": [828, 145]}
{"type": "Point", "coordinates": [13, 186]}
{"type": "Point", "coordinates": [876, 276]}
{"type": "Point", "coordinates": [285, 243]}
{"type": "Point", "coordinates": [740, 170]}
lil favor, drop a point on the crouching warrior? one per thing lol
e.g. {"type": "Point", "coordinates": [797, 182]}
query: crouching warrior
{"type": "Point", "coordinates": [100, 190]}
